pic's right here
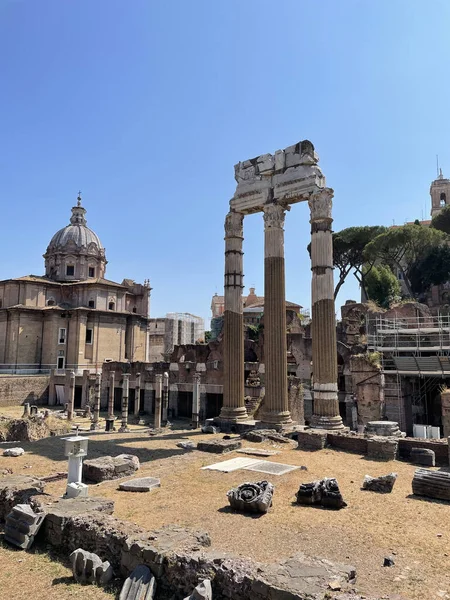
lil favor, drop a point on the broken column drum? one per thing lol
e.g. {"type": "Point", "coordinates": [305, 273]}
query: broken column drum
{"type": "Point", "coordinates": [276, 410]}
{"type": "Point", "coordinates": [233, 408]}
{"type": "Point", "coordinates": [125, 395]}
{"type": "Point", "coordinates": [270, 184]}
{"type": "Point", "coordinates": [158, 393]}
{"type": "Point", "coordinates": [323, 326]}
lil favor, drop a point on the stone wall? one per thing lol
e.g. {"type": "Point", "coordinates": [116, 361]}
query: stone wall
{"type": "Point", "coordinates": [17, 389]}
{"type": "Point", "coordinates": [349, 443]}
{"type": "Point", "coordinates": [439, 447]}
{"type": "Point", "coordinates": [368, 387]}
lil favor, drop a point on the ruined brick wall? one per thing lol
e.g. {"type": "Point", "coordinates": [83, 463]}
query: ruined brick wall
{"type": "Point", "coordinates": [17, 389]}
{"type": "Point", "coordinates": [439, 447]}
{"type": "Point", "coordinates": [349, 443]}
{"type": "Point", "coordinates": [368, 387]}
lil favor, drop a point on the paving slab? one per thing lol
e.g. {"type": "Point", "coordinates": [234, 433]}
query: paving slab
{"type": "Point", "coordinates": [233, 464]}
{"type": "Point", "coordinates": [142, 484]}
{"type": "Point", "coordinates": [258, 452]}
{"type": "Point", "coordinates": [272, 468]}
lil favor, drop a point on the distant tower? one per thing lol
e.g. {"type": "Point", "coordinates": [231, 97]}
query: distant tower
{"type": "Point", "coordinates": [440, 194]}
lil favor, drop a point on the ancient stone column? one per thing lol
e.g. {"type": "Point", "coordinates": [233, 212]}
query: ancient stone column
{"type": "Point", "coordinates": [111, 395]}
{"type": "Point", "coordinates": [158, 394]}
{"type": "Point", "coordinates": [137, 394]}
{"type": "Point", "coordinates": [323, 327]}
{"type": "Point", "coordinates": [233, 408]}
{"type": "Point", "coordinates": [165, 399]}
{"type": "Point", "coordinates": [71, 398]}
{"type": "Point", "coordinates": [96, 416]}
{"type": "Point", "coordinates": [276, 405]}
{"type": "Point", "coordinates": [125, 394]}
{"type": "Point", "coordinates": [196, 401]}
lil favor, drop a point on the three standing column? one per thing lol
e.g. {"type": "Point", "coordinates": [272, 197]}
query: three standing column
{"type": "Point", "coordinates": [233, 408]}
{"type": "Point", "coordinates": [323, 327]}
{"type": "Point", "coordinates": [276, 407]}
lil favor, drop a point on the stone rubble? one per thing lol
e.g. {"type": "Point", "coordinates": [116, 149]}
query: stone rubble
{"type": "Point", "coordinates": [88, 568]}
{"type": "Point", "coordinates": [251, 497]}
{"type": "Point", "coordinates": [383, 484]}
{"type": "Point", "coordinates": [186, 445]}
{"type": "Point", "coordinates": [324, 492]}
{"type": "Point", "coordinates": [219, 446]}
{"type": "Point", "coordinates": [13, 452]}
{"type": "Point", "coordinates": [142, 484]}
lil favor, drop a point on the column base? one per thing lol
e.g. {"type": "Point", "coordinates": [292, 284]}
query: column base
{"type": "Point", "coordinates": [324, 422]}
{"type": "Point", "coordinates": [275, 418]}
{"type": "Point", "coordinates": [95, 426]}
{"type": "Point", "coordinates": [124, 429]}
{"type": "Point", "coordinates": [233, 413]}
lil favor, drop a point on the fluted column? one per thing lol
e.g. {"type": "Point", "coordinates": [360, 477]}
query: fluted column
{"type": "Point", "coordinates": [195, 401]}
{"type": "Point", "coordinates": [276, 408]}
{"type": "Point", "coordinates": [233, 408]}
{"type": "Point", "coordinates": [158, 395]}
{"type": "Point", "coordinates": [96, 417]}
{"type": "Point", "coordinates": [71, 397]}
{"type": "Point", "coordinates": [323, 327]}
{"type": "Point", "coordinates": [125, 395]}
{"type": "Point", "coordinates": [111, 395]}
{"type": "Point", "coordinates": [137, 394]}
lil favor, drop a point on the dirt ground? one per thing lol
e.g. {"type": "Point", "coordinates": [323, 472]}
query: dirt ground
{"type": "Point", "coordinates": [415, 532]}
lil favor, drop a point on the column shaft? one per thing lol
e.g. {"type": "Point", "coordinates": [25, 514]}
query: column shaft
{"type": "Point", "coordinates": [111, 395]}
{"type": "Point", "coordinates": [71, 398]}
{"type": "Point", "coordinates": [233, 408]}
{"type": "Point", "coordinates": [323, 327]}
{"type": "Point", "coordinates": [196, 401]}
{"type": "Point", "coordinates": [158, 393]}
{"type": "Point", "coordinates": [165, 399]}
{"type": "Point", "coordinates": [276, 408]}
{"type": "Point", "coordinates": [125, 396]}
{"type": "Point", "coordinates": [94, 424]}
{"type": "Point", "coordinates": [137, 394]}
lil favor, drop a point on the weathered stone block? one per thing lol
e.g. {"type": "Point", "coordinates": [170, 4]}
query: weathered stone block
{"type": "Point", "coordinates": [142, 484]}
{"type": "Point", "coordinates": [22, 525]}
{"type": "Point", "coordinates": [312, 439]}
{"type": "Point", "coordinates": [383, 484]}
{"type": "Point", "coordinates": [219, 446]}
{"type": "Point", "coordinates": [423, 456]}
{"type": "Point", "coordinates": [87, 568]}
{"type": "Point", "coordinates": [251, 497]}
{"type": "Point", "coordinates": [324, 492]}
{"type": "Point", "coordinates": [380, 448]}
{"type": "Point", "coordinates": [109, 467]}
{"type": "Point", "coordinates": [13, 452]}
{"type": "Point", "coordinates": [383, 428]}
{"type": "Point", "coordinates": [17, 489]}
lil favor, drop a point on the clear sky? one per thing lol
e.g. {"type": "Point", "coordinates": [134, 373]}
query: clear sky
{"type": "Point", "coordinates": [147, 105]}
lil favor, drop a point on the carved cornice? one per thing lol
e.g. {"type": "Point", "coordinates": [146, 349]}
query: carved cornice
{"type": "Point", "coordinates": [274, 215]}
{"type": "Point", "coordinates": [234, 224]}
{"type": "Point", "coordinates": [320, 205]}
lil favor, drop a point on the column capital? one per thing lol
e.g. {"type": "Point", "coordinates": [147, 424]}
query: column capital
{"type": "Point", "coordinates": [320, 205]}
{"type": "Point", "coordinates": [196, 377]}
{"type": "Point", "coordinates": [274, 215]}
{"type": "Point", "coordinates": [234, 224]}
{"type": "Point", "coordinates": [158, 378]}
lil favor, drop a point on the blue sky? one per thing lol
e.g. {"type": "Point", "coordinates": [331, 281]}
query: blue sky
{"type": "Point", "coordinates": [147, 105]}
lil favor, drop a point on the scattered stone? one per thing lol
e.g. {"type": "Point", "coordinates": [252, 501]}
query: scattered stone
{"type": "Point", "coordinates": [202, 592]}
{"type": "Point", "coordinates": [143, 484]}
{"type": "Point", "coordinates": [258, 452]}
{"type": "Point", "coordinates": [22, 525]}
{"type": "Point", "coordinates": [109, 467]}
{"type": "Point", "coordinates": [7, 472]}
{"type": "Point", "coordinates": [335, 586]}
{"type": "Point", "coordinates": [382, 484]}
{"type": "Point", "coordinates": [388, 561]}
{"type": "Point", "coordinates": [13, 452]}
{"type": "Point", "coordinates": [210, 429]}
{"type": "Point", "coordinates": [140, 585]}
{"type": "Point", "coordinates": [17, 489]}
{"type": "Point", "coordinates": [219, 446]}
{"type": "Point", "coordinates": [55, 477]}
{"type": "Point", "coordinates": [423, 456]}
{"type": "Point", "coordinates": [312, 439]}
{"type": "Point", "coordinates": [323, 491]}
{"type": "Point", "coordinates": [433, 484]}
{"type": "Point", "coordinates": [382, 448]}
{"type": "Point", "coordinates": [87, 568]}
{"type": "Point", "coordinates": [256, 436]}
{"type": "Point", "coordinates": [252, 497]}
{"type": "Point", "coordinates": [186, 445]}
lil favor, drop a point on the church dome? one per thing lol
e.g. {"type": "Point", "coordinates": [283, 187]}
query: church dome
{"type": "Point", "coordinates": [75, 252]}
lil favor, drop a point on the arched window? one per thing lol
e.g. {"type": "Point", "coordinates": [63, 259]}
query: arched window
{"type": "Point", "coordinates": [111, 306]}
{"type": "Point", "coordinates": [443, 199]}
{"type": "Point", "coordinates": [134, 309]}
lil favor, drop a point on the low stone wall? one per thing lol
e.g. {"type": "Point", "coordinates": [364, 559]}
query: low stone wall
{"type": "Point", "coordinates": [348, 442]}
{"type": "Point", "coordinates": [178, 557]}
{"type": "Point", "coordinates": [17, 389]}
{"type": "Point", "coordinates": [439, 447]}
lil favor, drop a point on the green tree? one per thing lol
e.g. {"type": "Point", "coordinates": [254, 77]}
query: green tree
{"type": "Point", "coordinates": [432, 269]}
{"type": "Point", "coordinates": [207, 336]}
{"type": "Point", "coordinates": [401, 247]}
{"type": "Point", "coordinates": [441, 221]}
{"type": "Point", "coordinates": [382, 285]}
